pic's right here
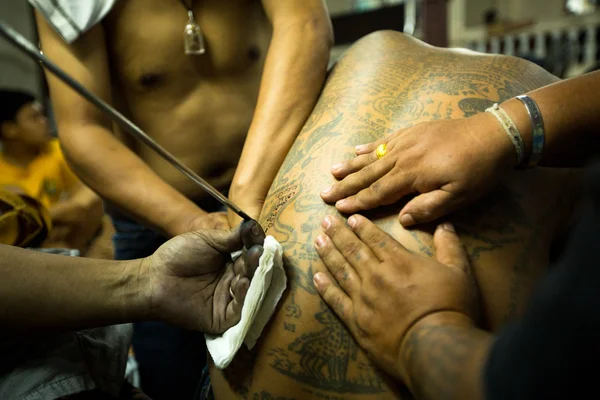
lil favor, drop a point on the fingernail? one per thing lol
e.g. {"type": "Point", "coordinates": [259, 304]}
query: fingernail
{"type": "Point", "coordinates": [448, 227]}
{"type": "Point", "coordinates": [320, 242]}
{"type": "Point", "coordinates": [407, 220]}
{"type": "Point", "coordinates": [255, 229]}
{"type": "Point", "coordinates": [360, 147]}
{"type": "Point", "coordinates": [325, 191]}
{"type": "Point", "coordinates": [336, 167]}
{"type": "Point", "coordinates": [319, 279]}
{"type": "Point", "coordinates": [340, 202]}
{"type": "Point", "coordinates": [326, 222]}
{"type": "Point", "coordinates": [352, 221]}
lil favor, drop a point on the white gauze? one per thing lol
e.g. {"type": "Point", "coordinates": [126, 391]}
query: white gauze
{"type": "Point", "coordinates": [266, 288]}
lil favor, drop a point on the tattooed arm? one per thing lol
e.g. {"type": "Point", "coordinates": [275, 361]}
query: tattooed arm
{"type": "Point", "coordinates": [549, 353]}
{"type": "Point", "coordinates": [444, 355]}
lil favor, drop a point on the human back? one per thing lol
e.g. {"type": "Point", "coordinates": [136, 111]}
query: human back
{"type": "Point", "coordinates": [386, 82]}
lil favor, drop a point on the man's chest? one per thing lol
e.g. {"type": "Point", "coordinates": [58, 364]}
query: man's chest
{"type": "Point", "coordinates": [145, 41]}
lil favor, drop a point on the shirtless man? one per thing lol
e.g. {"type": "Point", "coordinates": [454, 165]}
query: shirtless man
{"type": "Point", "coordinates": [259, 77]}
{"type": "Point", "coordinates": [386, 82]}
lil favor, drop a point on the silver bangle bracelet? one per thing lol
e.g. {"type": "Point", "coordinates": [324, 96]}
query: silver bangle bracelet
{"type": "Point", "coordinates": [538, 132]}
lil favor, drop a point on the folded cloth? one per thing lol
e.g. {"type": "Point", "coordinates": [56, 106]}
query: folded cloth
{"type": "Point", "coordinates": [266, 288]}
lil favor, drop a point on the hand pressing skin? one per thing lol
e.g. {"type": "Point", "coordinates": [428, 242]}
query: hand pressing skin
{"type": "Point", "coordinates": [191, 277]}
{"type": "Point", "coordinates": [382, 290]}
{"type": "Point", "coordinates": [448, 164]}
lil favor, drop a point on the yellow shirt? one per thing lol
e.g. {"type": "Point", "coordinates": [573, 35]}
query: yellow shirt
{"type": "Point", "coordinates": [45, 179]}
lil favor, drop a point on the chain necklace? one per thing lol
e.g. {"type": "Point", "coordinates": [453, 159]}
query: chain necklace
{"type": "Point", "coordinates": [193, 40]}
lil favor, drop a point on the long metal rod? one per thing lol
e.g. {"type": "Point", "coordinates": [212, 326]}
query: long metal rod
{"type": "Point", "coordinates": [14, 37]}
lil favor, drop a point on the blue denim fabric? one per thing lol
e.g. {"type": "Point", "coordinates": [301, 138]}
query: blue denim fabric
{"type": "Point", "coordinates": [171, 360]}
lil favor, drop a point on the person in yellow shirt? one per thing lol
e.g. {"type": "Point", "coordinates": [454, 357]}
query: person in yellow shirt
{"type": "Point", "coordinates": [31, 163]}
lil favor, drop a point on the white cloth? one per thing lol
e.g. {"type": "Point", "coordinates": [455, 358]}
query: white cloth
{"type": "Point", "coordinates": [266, 288]}
{"type": "Point", "coordinates": [72, 18]}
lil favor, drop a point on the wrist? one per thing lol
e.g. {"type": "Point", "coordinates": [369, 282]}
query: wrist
{"type": "Point", "coordinates": [135, 288]}
{"type": "Point", "coordinates": [518, 114]}
{"type": "Point", "coordinates": [498, 142]}
{"type": "Point", "coordinates": [411, 341]}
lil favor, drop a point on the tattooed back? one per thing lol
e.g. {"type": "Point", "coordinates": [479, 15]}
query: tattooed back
{"type": "Point", "coordinates": [386, 82]}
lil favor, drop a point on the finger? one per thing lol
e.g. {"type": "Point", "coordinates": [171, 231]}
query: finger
{"type": "Point", "coordinates": [449, 250]}
{"type": "Point", "coordinates": [252, 234]}
{"type": "Point", "coordinates": [385, 191]}
{"type": "Point", "coordinates": [357, 181]}
{"type": "Point", "coordinates": [368, 147]}
{"type": "Point", "coordinates": [222, 224]}
{"type": "Point", "coordinates": [338, 266]}
{"type": "Point", "coordinates": [252, 260]}
{"type": "Point", "coordinates": [342, 170]}
{"type": "Point", "coordinates": [234, 309]}
{"type": "Point", "coordinates": [246, 265]}
{"type": "Point", "coordinates": [222, 300]}
{"type": "Point", "coordinates": [348, 244]}
{"type": "Point", "coordinates": [428, 207]}
{"type": "Point", "coordinates": [336, 299]}
{"type": "Point", "coordinates": [383, 245]}
{"type": "Point", "coordinates": [224, 241]}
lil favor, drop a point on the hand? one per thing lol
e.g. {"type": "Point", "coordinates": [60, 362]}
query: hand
{"type": "Point", "coordinates": [74, 223]}
{"type": "Point", "coordinates": [448, 163]}
{"type": "Point", "coordinates": [191, 276]}
{"type": "Point", "coordinates": [215, 220]}
{"type": "Point", "coordinates": [384, 290]}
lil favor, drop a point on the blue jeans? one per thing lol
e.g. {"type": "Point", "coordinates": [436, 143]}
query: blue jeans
{"type": "Point", "coordinates": [170, 359]}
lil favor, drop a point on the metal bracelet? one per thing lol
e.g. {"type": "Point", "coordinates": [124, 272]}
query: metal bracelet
{"type": "Point", "coordinates": [511, 130]}
{"type": "Point", "coordinates": [538, 132]}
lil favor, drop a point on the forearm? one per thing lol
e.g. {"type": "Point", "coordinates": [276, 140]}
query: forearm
{"type": "Point", "coordinates": [571, 120]}
{"type": "Point", "coordinates": [443, 357]}
{"type": "Point", "coordinates": [45, 292]}
{"type": "Point", "coordinates": [294, 73]}
{"type": "Point", "coordinates": [125, 181]}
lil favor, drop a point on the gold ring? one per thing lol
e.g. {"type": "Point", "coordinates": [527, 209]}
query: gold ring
{"type": "Point", "coordinates": [381, 150]}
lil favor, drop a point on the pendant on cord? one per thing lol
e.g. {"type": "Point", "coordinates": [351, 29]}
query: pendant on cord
{"type": "Point", "coordinates": [193, 40]}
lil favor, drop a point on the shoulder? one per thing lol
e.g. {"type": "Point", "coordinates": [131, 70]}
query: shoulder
{"type": "Point", "coordinates": [72, 18]}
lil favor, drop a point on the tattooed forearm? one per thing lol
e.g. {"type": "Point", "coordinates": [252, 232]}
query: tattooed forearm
{"type": "Point", "coordinates": [445, 362]}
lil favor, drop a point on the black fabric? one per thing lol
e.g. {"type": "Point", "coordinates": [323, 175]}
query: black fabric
{"type": "Point", "coordinates": [11, 102]}
{"type": "Point", "coordinates": [554, 351]}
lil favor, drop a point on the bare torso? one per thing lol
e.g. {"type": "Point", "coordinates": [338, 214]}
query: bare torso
{"type": "Point", "coordinates": [384, 83]}
{"type": "Point", "coordinates": [199, 107]}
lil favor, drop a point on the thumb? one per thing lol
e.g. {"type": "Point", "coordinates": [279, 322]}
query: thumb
{"type": "Point", "coordinates": [224, 241]}
{"type": "Point", "coordinates": [428, 207]}
{"type": "Point", "coordinates": [248, 234]}
{"type": "Point", "coordinates": [449, 249]}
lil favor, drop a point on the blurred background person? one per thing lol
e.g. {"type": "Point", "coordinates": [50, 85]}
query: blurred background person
{"type": "Point", "coordinates": [31, 162]}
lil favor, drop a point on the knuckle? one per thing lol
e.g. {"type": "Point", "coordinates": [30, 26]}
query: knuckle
{"type": "Point", "coordinates": [351, 248]}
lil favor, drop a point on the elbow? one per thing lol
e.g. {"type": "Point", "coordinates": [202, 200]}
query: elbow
{"type": "Point", "coordinates": [321, 28]}
{"type": "Point", "coordinates": [314, 30]}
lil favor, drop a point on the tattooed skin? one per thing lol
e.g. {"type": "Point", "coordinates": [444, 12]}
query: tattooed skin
{"type": "Point", "coordinates": [384, 83]}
